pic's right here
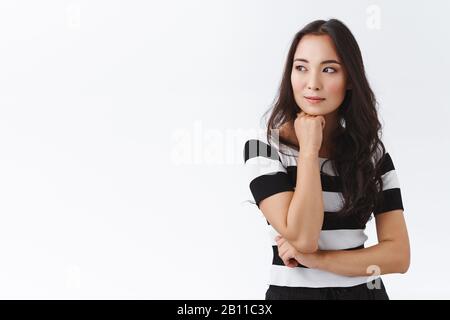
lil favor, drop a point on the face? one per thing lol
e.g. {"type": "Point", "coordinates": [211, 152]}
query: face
{"type": "Point", "coordinates": [318, 72]}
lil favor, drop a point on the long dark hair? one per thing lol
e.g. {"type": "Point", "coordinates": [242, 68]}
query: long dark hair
{"type": "Point", "coordinates": [356, 142]}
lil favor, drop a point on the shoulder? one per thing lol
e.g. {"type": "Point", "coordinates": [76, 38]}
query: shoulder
{"type": "Point", "coordinates": [384, 160]}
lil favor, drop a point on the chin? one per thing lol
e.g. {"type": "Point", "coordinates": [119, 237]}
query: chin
{"type": "Point", "coordinates": [313, 112]}
{"type": "Point", "coordinates": [318, 111]}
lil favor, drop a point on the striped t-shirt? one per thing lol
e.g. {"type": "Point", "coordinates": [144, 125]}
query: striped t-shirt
{"type": "Point", "coordinates": [273, 169]}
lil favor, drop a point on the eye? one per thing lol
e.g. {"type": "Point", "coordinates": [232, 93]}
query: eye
{"type": "Point", "coordinates": [334, 70]}
{"type": "Point", "coordinates": [300, 66]}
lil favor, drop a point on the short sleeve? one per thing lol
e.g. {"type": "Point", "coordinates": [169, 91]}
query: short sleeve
{"type": "Point", "coordinates": [265, 171]}
{"type": "Point", "coordinates": [389, 198]}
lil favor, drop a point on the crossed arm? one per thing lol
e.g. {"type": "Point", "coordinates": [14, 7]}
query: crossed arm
{"type": "Point", "coordinates": [390, 255]}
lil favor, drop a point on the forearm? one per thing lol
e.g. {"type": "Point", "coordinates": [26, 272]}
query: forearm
{"type": "Point", "coordinates": [305, 214]}
{"type": "Point", "coordinates": [385, 257]}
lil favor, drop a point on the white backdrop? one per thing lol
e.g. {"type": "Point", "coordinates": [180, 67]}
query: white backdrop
{"type": "Point", "coordinates": [122, 125]}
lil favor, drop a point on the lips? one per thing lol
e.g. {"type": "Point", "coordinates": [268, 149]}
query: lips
{"type": "Point", "coordinates": [314, 98]}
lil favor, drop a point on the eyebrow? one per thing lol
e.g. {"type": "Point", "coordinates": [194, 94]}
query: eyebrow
{"type": "Point", "coordinates": [323, 62]}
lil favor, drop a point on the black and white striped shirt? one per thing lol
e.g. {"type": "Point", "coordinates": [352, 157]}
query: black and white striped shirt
{"type": "Point", "coordinates": [273, 169]}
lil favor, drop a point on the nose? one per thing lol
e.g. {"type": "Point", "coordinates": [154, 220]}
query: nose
{"type": "Point", "coordinates": [313, 82]}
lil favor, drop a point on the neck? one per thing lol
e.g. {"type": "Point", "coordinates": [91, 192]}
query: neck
{"type": "Point", "coordinates": [328, 134]}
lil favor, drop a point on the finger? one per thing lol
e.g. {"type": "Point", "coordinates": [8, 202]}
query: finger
{"type": "Point", "coordinates": [285, 258]}
{"type": "Point", "coordinates": [281, 242]}
{"type": "Point", "coordinates": [286, 252]}
{"type": "Point", "coordinates": [298, 257]}
{"type": "Point", "coordinates": [307, 116]}
{"type": "Point", "coordinates": [292, 263]}
{"type": "Point", "coordinates": [277, 240]}
{"type": "Point", "coordinates": [289, 259]}
{"type": "Point", "coordinates": [281, 252]}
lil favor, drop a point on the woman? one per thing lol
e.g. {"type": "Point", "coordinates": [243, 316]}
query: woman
{"type": "Point", "coordinates": [321, 171]}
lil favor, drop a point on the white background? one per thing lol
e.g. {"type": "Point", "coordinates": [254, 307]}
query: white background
{"type": "Point", "coordinates": [121, 132]}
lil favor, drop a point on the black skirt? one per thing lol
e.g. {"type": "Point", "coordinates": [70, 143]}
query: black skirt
{"type": "Point", "coordinates": [373, 290]}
